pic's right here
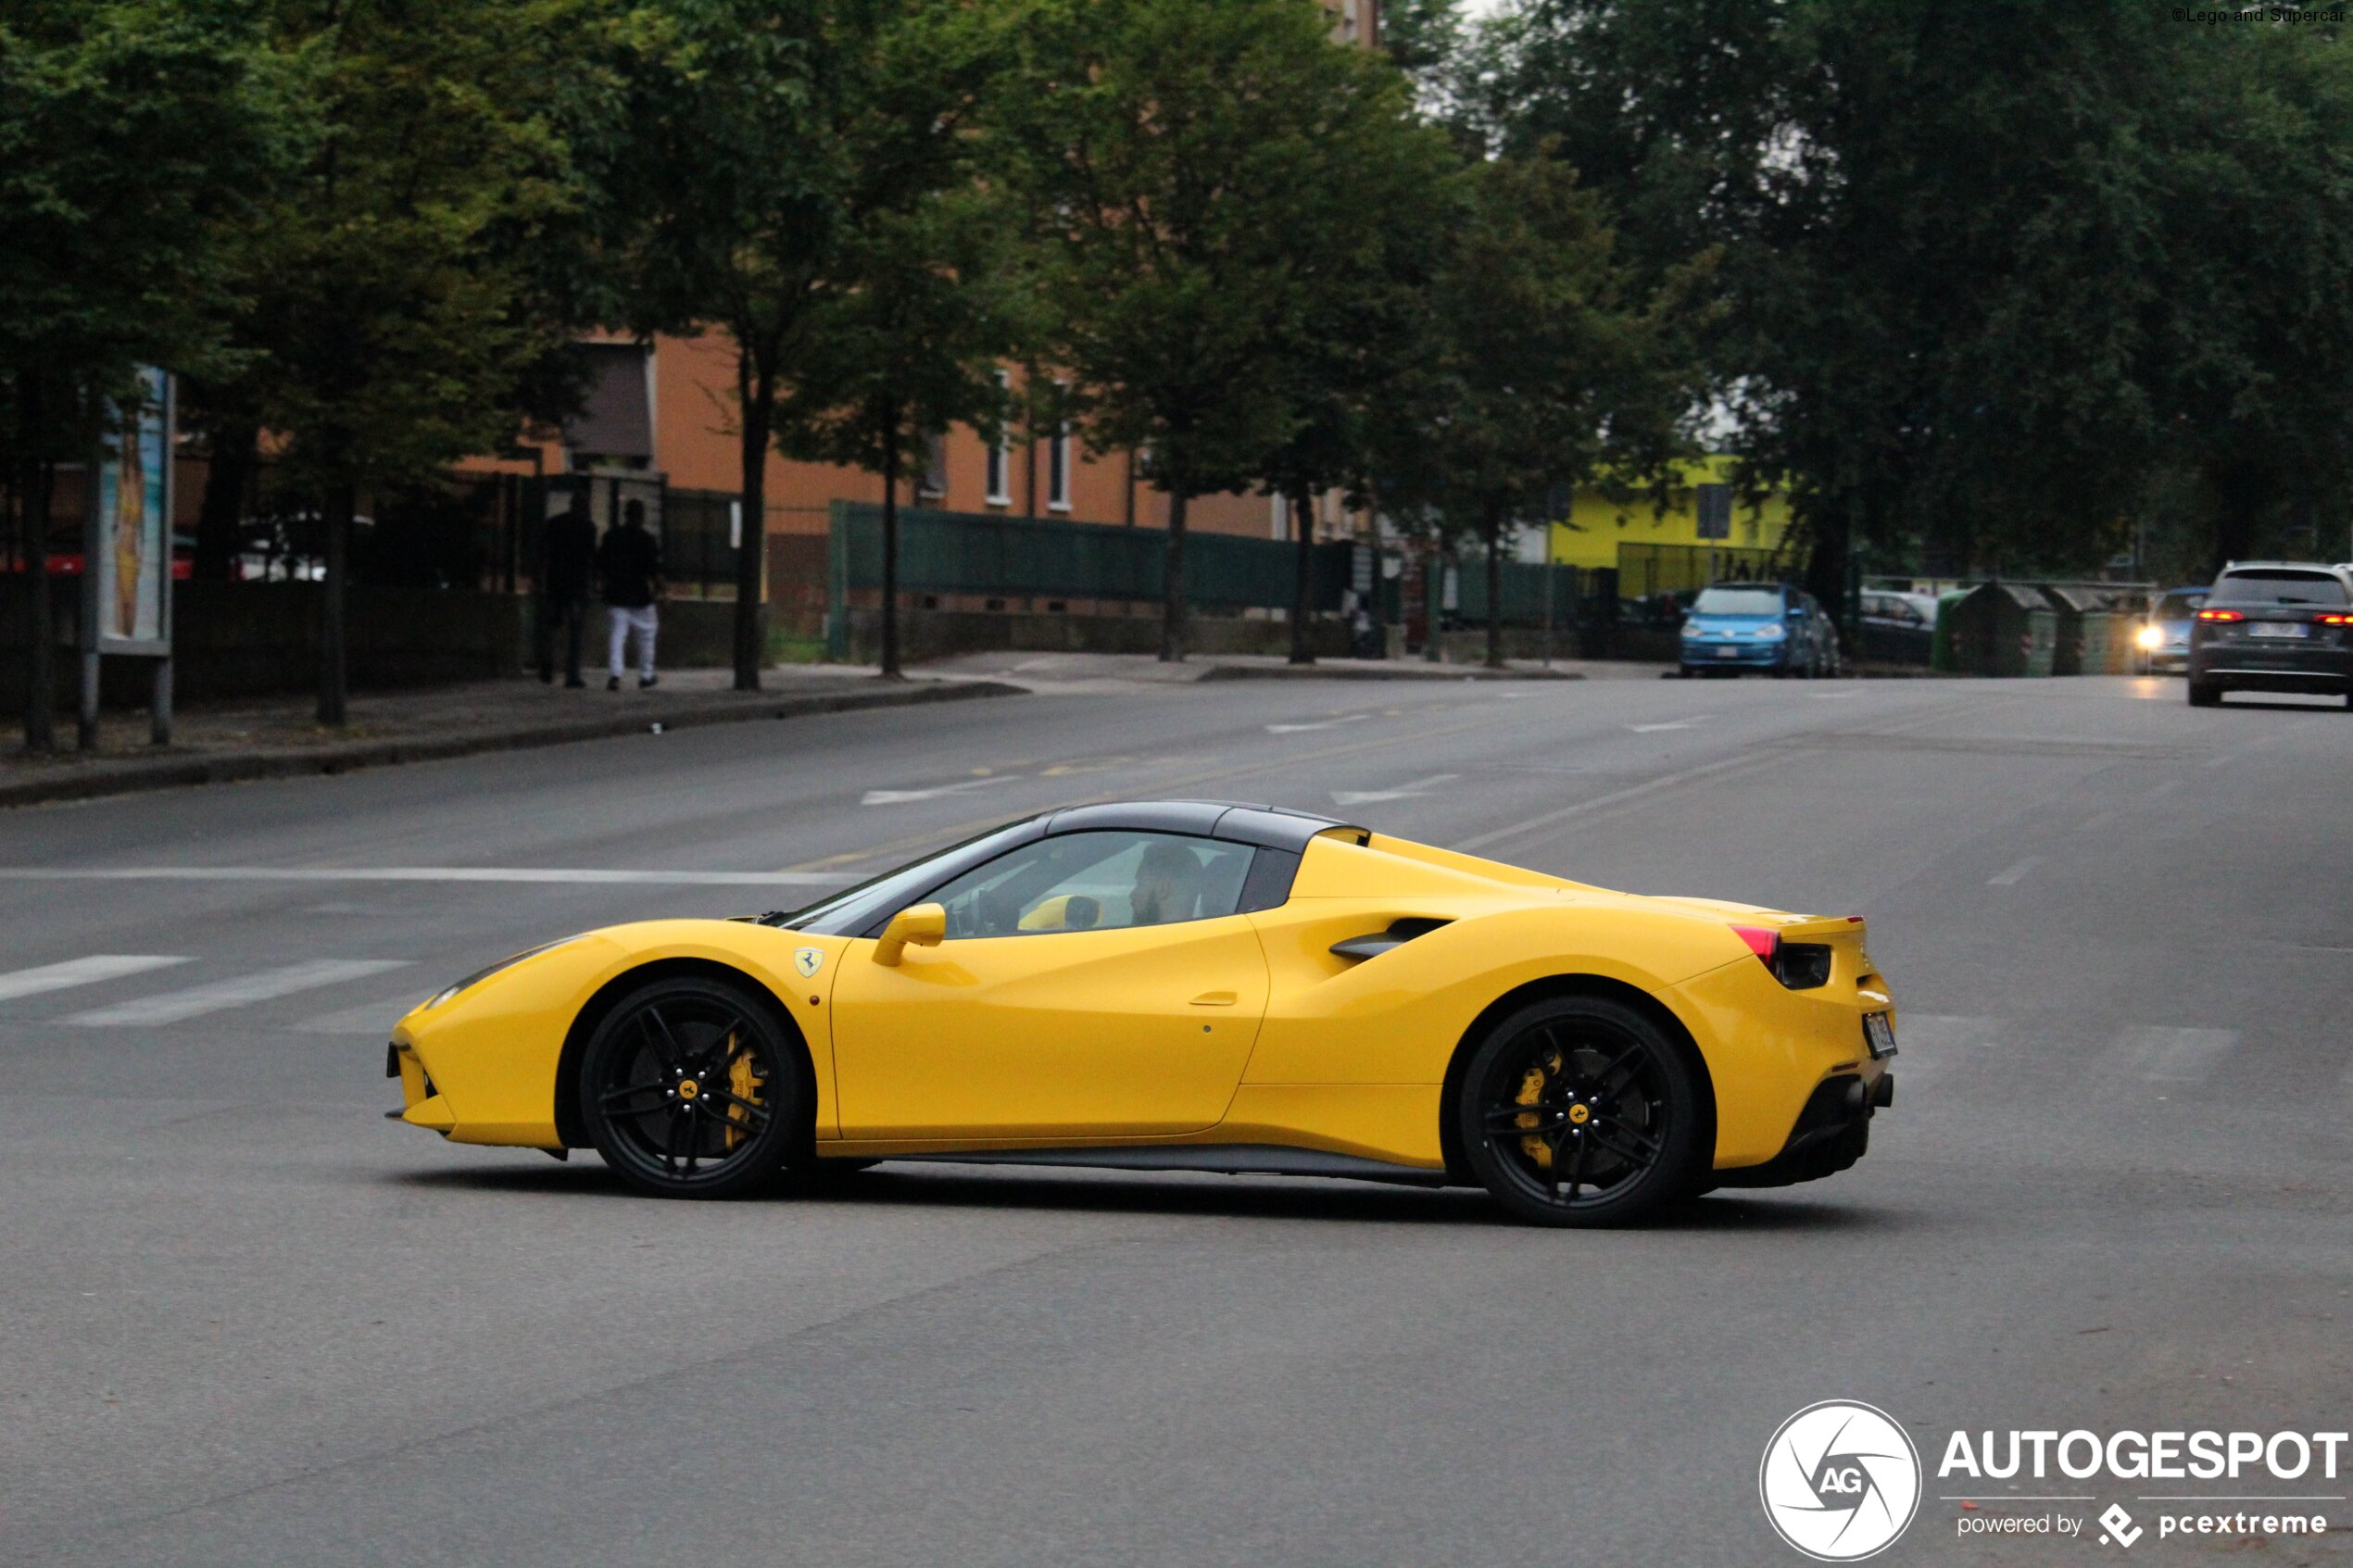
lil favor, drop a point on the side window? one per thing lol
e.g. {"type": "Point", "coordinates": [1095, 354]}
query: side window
{"type": "Point", "coordinates": [1097, 881]}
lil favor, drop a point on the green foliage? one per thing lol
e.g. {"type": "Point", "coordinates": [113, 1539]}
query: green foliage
{"type": "Point", "coordinates": [392, 282]}
{"type": "Point", "coordinates": [1186, 169]}
{"type": "Point", "coordinates": [1989, 267]}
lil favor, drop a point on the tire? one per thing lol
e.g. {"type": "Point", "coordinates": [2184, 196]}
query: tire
{"type": "Point", "coordinates": [1614, 1109]}
{"type": "Point", "coordinates": [651, 1096]}
{"type": "Point", "coordinates": [2205, 693]}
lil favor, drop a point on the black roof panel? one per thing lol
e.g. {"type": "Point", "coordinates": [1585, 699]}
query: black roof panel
{"type": "Point", "coordinates": [1273, 827]}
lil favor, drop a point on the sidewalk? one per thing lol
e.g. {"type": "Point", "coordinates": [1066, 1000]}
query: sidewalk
{"type": "Point", "coordinates": [1068, 668]}
{"type": "Point", "coordinates": [276, 737]}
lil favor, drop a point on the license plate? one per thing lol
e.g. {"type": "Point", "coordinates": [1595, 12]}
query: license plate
{"type": "Point", "coordinates": [1878, 1030]}
{"type": "Point", "coordinates": [1728, 653]}
{"type": "Point", "coordinates": [2278, 629]}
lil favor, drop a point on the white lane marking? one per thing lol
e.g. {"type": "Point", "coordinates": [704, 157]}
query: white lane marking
{"type": "Point", "coordinates": [901, 797]}
{"type": "Point", "coordinates": [170, 1007]}
{"type": "Point", "coordinates": [1831, 697]}
{"type": "Point", "coordinates": [2013, 875]}
{"type": "Point", "coordinates": [2167, 1055]}
{"type": "Point", "coordinates": [1561, 814]}
{"type": "Point", "coordinates": [1672, 724]}
{"type": "Point", "coordinates": [1318, 724]}
{"type": "Point", "coordinates": [376, 1018]}
{"type": "Point", "coordinates": [1931, 1046]}
{"type": "Point", "coordinates": [1402, 792]}
{"type": "Point", "coordinates": [410, 874]}
{"type": "Point", "coordinates": [78, 971]}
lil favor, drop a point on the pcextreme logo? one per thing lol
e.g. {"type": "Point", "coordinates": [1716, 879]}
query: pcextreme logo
{"type": "Point", "coordinates": [1840, 1481]}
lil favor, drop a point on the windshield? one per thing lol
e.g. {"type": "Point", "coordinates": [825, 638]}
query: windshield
{"type": "Point", "coordinates": [2278, 587]}
{"type": "Point", "coordinates": [1737, 602]}
{"type": "Point", "coordinates": [2177, 607]}
{"type": "Point", "coordinates": [852, 909]}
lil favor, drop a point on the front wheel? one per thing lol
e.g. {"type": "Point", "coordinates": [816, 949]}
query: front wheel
{"type": "Point", "coordinates": [690, 1088]}
{"type": "Point", "coordinates": [1580, 1111]}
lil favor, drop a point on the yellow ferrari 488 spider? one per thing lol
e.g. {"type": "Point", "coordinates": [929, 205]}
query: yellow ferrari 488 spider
{"type": "Point", "coordinates": [1187, 985]}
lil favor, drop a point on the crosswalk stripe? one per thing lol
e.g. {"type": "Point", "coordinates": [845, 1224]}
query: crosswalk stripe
{"type": "Point", "coordinates": [1933, 1045]}
{"type": "Point", "coordinates": [2168, 1055]}
{"type": "Point", "coordinates": [170, 1007]}
{"type": "Point", "coordinates": [375, 1018]}
{"type": "Point", "coordinates": [78, 971]}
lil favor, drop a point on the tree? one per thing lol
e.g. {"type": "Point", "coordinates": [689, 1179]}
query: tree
{"type": "Point", "coordinates": [904, 330]}
{"type": "Point", "coordinates": [1366, 254]}
{"type": "Point", "coordinates": [1541, 371]}
{"type": "Point", "coordinates": [1981, 298]}
{"type": "Point", "coordinates": [392, 283]}
{"type": "Point", "coordinates": [133, 139]}
{"type": "Point", "coordinates": [1170, 153]}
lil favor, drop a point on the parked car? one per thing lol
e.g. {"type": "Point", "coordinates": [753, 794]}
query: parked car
{"type": "Point", "coordinates": [2164, 637]}
{"type": "Point", "coordinates": [1739, 626]}
{"type": "Point", "coordinates": [1897, 627]}
{"type": "Point", "coordinates": [2274, 626]}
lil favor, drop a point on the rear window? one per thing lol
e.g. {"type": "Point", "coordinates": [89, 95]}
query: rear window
{"type": "Point", "coordinates": [1737, 602]}
{"type": "Point", "coordinates": [2278, 586]}
{"type": "Point", "coordinates": [2177, 607]}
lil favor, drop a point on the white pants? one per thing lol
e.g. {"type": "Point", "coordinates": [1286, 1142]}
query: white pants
{"type": "Point", "coordinates": [624, 621]}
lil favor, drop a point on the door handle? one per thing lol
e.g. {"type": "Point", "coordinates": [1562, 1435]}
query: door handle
{"type": "Point", "coordinates": [1215, 1000]}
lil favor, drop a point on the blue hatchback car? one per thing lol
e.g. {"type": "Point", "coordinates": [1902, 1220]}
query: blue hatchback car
{"type": "Point", "coordinates": [1736, 627]}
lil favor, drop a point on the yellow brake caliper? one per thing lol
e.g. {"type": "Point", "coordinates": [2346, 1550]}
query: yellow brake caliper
{"type": "Point", "coordinates": [743, 1084]}
{"type": "Point", "coordinates": [1531, 1088]}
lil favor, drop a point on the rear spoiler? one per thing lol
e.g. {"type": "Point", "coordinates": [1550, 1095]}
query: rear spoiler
{"type": "Point", "coordinates": [1821, 930]}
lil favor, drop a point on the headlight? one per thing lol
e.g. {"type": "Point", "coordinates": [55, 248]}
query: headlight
{"type": "Point", "coordinates": [509, 961]}
{"type": "Point", "coordinates": [2151, 637]}
{"type": "Point", "coordinates": [1772, 633]}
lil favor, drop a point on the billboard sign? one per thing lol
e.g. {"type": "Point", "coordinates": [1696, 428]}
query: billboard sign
{"type": "Point", "coordinates": [130, 553]}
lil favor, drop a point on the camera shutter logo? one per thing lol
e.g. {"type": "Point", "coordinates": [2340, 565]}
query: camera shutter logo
{"type": "Point", "coordinates": [1841, 1481]}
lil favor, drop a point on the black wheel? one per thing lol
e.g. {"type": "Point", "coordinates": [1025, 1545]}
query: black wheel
{"type": "Point", "coordinates": [689, 1088]}
{"type": "Point", "coordinates": [2205, 693]}
{"type": "Point", "coordinates": [1579, 1111]}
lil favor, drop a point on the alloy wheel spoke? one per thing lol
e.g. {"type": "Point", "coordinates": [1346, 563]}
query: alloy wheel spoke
{"type": "Point", "coordinates": [1642, 1152]}
{"type": "Point", "coordinates": [1577, 1167]}
{"type": "Point", "coordinates": [612, 1097]}
{"type": "Point", "coordinates": [656, 1029]}
{"type": "Point", "coordinates": [756, 1114]}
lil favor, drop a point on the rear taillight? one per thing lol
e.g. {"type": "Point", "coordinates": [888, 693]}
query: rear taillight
{"type": "Point", "coordinates": [2336, 620]}
{"type": "Point", "coordinates": [2219, 615]}
{"type": "Point", "coordinates": [1801, 966]}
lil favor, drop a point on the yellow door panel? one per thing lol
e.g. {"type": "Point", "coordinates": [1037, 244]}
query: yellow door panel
{"type": "Point", "coordinates": [1126, 1031]}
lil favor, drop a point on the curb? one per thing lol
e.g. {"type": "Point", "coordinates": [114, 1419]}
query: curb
{"type": "Point", "coordinates": [1435, 672]}
{"type": "Point", "coordinates": [234, 767]}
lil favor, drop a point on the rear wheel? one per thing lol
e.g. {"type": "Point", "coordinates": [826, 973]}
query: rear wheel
{"type": "Point", "coordinates": [2205, 693]}
{"type": "Point", "coordinates": [1580, 1111]}
{"type": "Point", "coordinates": [689, 1088]}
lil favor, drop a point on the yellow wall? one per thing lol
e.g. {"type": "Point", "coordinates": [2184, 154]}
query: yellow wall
{"type": "Point", "coordinates": [1596, 525]}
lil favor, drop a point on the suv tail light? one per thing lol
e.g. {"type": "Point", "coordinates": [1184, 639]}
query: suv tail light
{"type": "Point", "coordinates": [2219, 615]}
{"type": "Point", "coordinates": [1800, 966]}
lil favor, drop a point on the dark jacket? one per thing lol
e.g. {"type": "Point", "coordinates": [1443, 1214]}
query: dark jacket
{"type": "Point", "coordinates": [630, 562]}
{"type": "Point", "coordinates": [567, 561]}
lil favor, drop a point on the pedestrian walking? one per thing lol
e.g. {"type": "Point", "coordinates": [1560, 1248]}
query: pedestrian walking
{"type": "Point", "coordinates": [630, 562]}
{"type": "Point", "coordinates": [567, 570]}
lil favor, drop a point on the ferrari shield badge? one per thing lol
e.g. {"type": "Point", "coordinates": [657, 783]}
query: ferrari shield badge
{"type": "Point", "coordinates": [808, 960]}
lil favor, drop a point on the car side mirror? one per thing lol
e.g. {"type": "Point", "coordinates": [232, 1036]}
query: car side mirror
{"type": "Point", "coordinates": [919, 925]}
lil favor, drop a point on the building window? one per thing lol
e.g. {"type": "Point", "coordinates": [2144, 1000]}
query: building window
{"type": "Point", "coordinates": [932, 483]}
{"type": "Point", "coordinates": [1000, 458]}
{"type": "Point", "coordinates": [1058, 459]}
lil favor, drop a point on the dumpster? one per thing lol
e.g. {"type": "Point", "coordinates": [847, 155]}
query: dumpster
{"type": "Point", "coordinates": [2003, 629]}
{"type": "Point", "coordinates": [2086, 627]}
{"type": "Point", "coordinates": [1940, 644]}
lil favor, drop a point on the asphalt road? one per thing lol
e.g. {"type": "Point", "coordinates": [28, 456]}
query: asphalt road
{"type": "Point", "coordinates": [246, 1321]}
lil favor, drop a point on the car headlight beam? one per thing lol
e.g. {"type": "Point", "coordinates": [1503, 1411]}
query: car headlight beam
{"type": "Point", "coordinates": [2151, 638]}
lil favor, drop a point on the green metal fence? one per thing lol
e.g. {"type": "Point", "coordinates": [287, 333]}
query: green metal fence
{"type": "Point", "coordinates": [1524, 593]}
{"type": "Point", "coordinates": [984, 555]}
